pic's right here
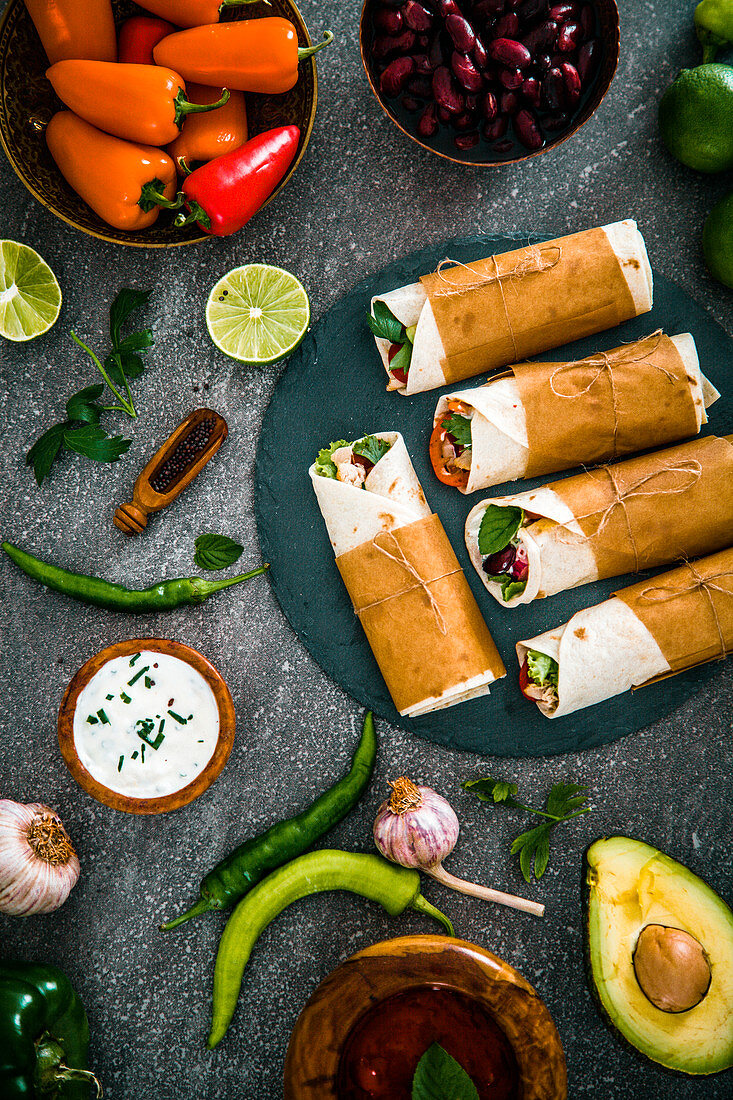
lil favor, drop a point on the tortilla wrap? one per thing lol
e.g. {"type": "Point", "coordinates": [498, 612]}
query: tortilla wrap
{"type": "Point", "coordinates": [632, 515]}
{"type": "Point", "coordinates": [545, 417]}
{"type": "Point", "coordinates": [652, 629]}
{"type": "Point", "coordinates": [471, 319]}
{"type": "Point", "coordinates": [414, 603]}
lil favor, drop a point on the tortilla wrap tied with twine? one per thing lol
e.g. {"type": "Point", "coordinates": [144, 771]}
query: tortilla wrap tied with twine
{"type": "Point", "coordinates": [637, 514]}
{"type": "Point", "coordinates": [538, 418]}
{"type": "Point", "coordinates": [473, 318]}
{"type": "Point", "coordinates": [653, 629]}
{"type": "Point", "coordinates": [422, 622]}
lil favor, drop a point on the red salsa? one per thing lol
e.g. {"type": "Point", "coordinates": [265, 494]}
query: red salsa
{"type": "Point", "coordinates": [385, 1045]}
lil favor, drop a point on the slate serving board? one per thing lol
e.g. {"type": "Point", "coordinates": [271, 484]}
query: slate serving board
{"type": "Point", "coordinates": [334, 388]}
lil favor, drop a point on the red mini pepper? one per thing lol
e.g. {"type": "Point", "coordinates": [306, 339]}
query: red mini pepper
{"type": "Point", "coordinates": [225, 193]}
{"type": "Point", "coordinates": [139, 36]}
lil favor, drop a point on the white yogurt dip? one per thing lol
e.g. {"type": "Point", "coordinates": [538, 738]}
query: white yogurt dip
{"type": "Point", "coordinates": [146, 724]}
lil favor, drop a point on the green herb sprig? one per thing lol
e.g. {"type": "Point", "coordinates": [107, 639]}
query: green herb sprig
{"type": "Point", "coordinates": [216, 552]}
{"type": "Point", "coordinates": [498, 527]}
{"type": "Point", "coordinates": [564, 802]}
{"type": "Point", "coordinates": [81, 431]}
{"type": "Point", "coordinates": [459, 427]}
{"type": "Point", "coordinates": [439, 1076]}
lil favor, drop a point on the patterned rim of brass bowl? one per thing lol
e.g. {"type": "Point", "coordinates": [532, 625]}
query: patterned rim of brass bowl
{"type": "Point", "coordinates": [610, 36]}
{"type": "Point", "coordinates": [165, 803]}
{"type": "Point", "coordinates": [27, 102]}
{"type": "Point", "coordinates": [371, 976]}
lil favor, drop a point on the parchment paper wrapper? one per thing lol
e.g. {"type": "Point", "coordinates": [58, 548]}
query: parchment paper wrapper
{"type": "Point", "coordinates": [633, 515]}
{"type": "Point", "coordinates": [651, 630]}
{"type": "Point", "coordinates": [539, 418]}
{"type": "Point", "coordinates": [472, 319]}
{"type": "Point", "coordinates": [407, 587]}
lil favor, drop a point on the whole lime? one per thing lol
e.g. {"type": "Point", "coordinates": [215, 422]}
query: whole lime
{"type": "Point", "coordinates": [696, 118]}
{"type": "Point", "coordinates": [717, 241]}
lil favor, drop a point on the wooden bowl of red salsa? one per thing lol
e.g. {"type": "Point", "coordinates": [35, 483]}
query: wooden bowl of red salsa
{"type": "Point", "coordinates": [364, 1030]}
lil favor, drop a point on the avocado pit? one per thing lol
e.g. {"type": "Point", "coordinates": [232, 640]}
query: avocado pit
{"type": "Point", "coordinates": [671, 968]}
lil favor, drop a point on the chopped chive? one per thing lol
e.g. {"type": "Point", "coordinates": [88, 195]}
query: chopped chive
{"type": "Point", "coordinates": [92, 720]}
{"type": "Point", "coordinates": [124, 697]}
{"type": "Point", "coordinates": [137, 675]}
{"type": "Point", "coordinates": [200, 742]}
{"type": "Point", "coordinates": [121, 762]}
{"type": "Point", "coordinates": [177, 717]}
{"type": "Point", "coordinates": [103, 717]}
{"type": "Point", "coordinates": [134, 755]}
{"type": "Point", "coordinates": [110, 696]}
{"type": "Point", "coordinates": [148, 682]}
{"type": "Point", "coordinates": [142, 754]}
{"type": "Point", "coordinates": [161, 727]}
{"type": "Point", "coordinates": [189, 718]}
{"type": "Point", "coordinates": [132, 661]}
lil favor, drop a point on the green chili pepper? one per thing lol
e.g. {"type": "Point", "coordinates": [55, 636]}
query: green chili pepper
{"type": "Point", "coordinates": [714, 26]}
{"type": "Point", "coordinates": [396, 888]}
{"type": "Point", "coordinates": [231, 879]}
{"type": "Point", "coordinates": [159, 597]}
{"type": "Point", "coordinates": [44, 1035]}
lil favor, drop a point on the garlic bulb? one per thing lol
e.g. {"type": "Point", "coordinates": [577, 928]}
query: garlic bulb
{"type": "Point", "coordinates": [417, 827]}
{"type": "Point", "coordinates": [38, 864]}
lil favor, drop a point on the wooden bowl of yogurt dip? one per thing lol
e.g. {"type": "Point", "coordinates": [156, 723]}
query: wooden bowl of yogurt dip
{"type": "Point", "coordinates": [146, 725]}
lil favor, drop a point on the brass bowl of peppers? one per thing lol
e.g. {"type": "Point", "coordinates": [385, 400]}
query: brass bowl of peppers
{"type": "Point", "coordinates": [489, 82]}
{"type": "Point", "coordinates": [28, 102]}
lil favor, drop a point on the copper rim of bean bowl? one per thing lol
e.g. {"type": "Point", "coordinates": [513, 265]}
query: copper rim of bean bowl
{"type": "Point", "coordinates": [163, 803]}
{"type": "Point", "coordinates": [610, 37]}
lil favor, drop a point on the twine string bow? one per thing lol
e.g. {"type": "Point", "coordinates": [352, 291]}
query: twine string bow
{"type": "Point", "coordinates": [707, 585]}
{"type": "Point", "coordinates": [400, 558]}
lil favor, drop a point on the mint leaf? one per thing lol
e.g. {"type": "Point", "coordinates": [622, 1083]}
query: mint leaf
{"type": "Point", "coordinates": [440, 1077]}
{"type": "Point", "coordinates": [325, 466]}
{"type": "Point", "coordinates": [372, 448]}
{"type": "Point", "coordinates": [498, 527]}
{"type": "Point", "coordinates": [384, 324]}
{"type": "Point", "coordinates": [44, 451]}
{"type": "Point", "coordinates": [93, 442]}
{"type": "Point", "coordinates": [459, 427]}
{"type": "Point", "coordinates": [541, 668]}
{"type": "Point", "coordinates": [401, 360]}
{"type": "Point", "coordinates": [216, 551]}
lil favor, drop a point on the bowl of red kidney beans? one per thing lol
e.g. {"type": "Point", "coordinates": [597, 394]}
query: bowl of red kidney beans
{"type": "Point", "coordinates": [489, 82]}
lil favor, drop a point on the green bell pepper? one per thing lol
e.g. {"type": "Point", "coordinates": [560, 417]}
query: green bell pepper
{"type": "Point", "coordinates": [714, 26]}
{"type": "Point", "coordinates": [44, 1035]}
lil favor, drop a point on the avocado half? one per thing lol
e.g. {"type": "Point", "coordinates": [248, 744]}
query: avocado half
{"type": "Point", "coordinates": [631, 886]}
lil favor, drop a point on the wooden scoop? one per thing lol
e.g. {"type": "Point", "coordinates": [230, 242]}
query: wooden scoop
{"type": "Point", "coordinates": [172, 468]}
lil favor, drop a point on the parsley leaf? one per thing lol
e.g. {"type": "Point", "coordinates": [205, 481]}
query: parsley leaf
{"type": "Point", "coordinates": [493, 790]}
{"type": "Point", "coordinates": [83, 405]}
{"type": "Point", "coordinates": [93, 442]}
{"type": "Point", "coordinates": [384, 324]}
{"type": "Point", "coordinates": [372, 448]}
{"type": "Point", "coordinates": [498, 527]}
{"type": "Point", "coordinates": [438, 1076]}
{"type": "Point", "coordinates": [459, 427]}
{"type": "Point", "coordinates": [216, 551]}
{"type": "Point", "coordinates": [44, 451]}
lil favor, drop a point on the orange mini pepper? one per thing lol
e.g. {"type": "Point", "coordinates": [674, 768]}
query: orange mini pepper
{"type": "Point", "coordinates": [121, 182]}
{"type": "Point", "coordinates": [204, 137]}
{"type": "Point", "coordinates": [191, 13]}
{"type": "Point", "coordinates": [138, 102]}
{"type": "Point", "coordinates": [253, 55]}
{"type": "Point", "coordinates": [75, 28]}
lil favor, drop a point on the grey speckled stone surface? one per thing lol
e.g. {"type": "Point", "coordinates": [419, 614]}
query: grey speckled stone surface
{"type": "Point", "coordinates": [363, 196]}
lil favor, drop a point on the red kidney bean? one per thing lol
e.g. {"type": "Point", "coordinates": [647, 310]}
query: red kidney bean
{"type": "Point", "coordinates": [416, 16]}
{"type": "Point", "coordinates": [532, 91]}
{"type": "Point", "coordinates": [443, 115]}
{"type": "Point", "coordinates": [463, 122]}
{"type": "Point", "coordinates": [387, 44]}
{"type": "Point", "coordinates": [448, 7]}
{"type": "Point", "coordinates": [488, 9]}
{"type": "Point", "coordinates": [553, 87]}
{"type": "Point", "coordinates": [541, 37]}
{"type": "Point", "coordinates": [388, 20]}
{"type": "Point", "coordinates": [563, 11]}
{"type": "Point", "coordinates": [423, 41]}
{"type": "Point", "coordinates": [572, 82]}
{"type": "Point", "coordinates": [511, 78]}
{"type": "Point", "coordinates": [530, 9]}
{"type": "Point", "coordinates": [509, 103]}
{"type": "Point", "coordinates": [507, 26]}
{"type": "Point", "coordinates": [514, 3]}
{"type": "Point", "coordinates": [543, 62]}
{"type": "Point", "coordinates": [587, 20]}
{"type": "Point", "coordinates": [510, 52]}
{"type": "Point", "coordinates": [466, 141]}
{"type": "Point", "coordinates": [422, 63]}
{"type": "Point", "coordinates": [435, 53]}
{"type": "Point", "coordinates": [503, 146]}
{"type": "Point", "coordinates": [497, 128]}
{"type": "Point", "coordinates": [427, 124]}
{"type": "Point", "coordinates": [556, 121]}
{"type": "Point", "coordinates": [569, 37]}
{"type": "Point", "coordinates": [445, 92]}
{"type": "Point", "coordinates": [394, 76]}
{"type": "Point", "coordinates": [587, 59]}
{"type": "Point", "coordinates": [471, 102]}
{"type": "Point", "coordinates": [462, 33]}
{"type": "Point", "coordinates": [410, 104]}
{"type": "Point", "coordinates": [465, 72]}
{"type": "Point", "coordinates": [489, 106]}
{"type": "Point", "coordinates": [480, 55]}
{"type": "Point", "coordinates": [527, 129]}
{"type": "Point", "coordinates": [420, 86]}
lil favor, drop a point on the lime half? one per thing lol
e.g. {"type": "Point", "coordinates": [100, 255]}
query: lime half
{"type": "Point", "coordinates": [30, 297]}
{"type": "Point", "coordinates": [257, 313]}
